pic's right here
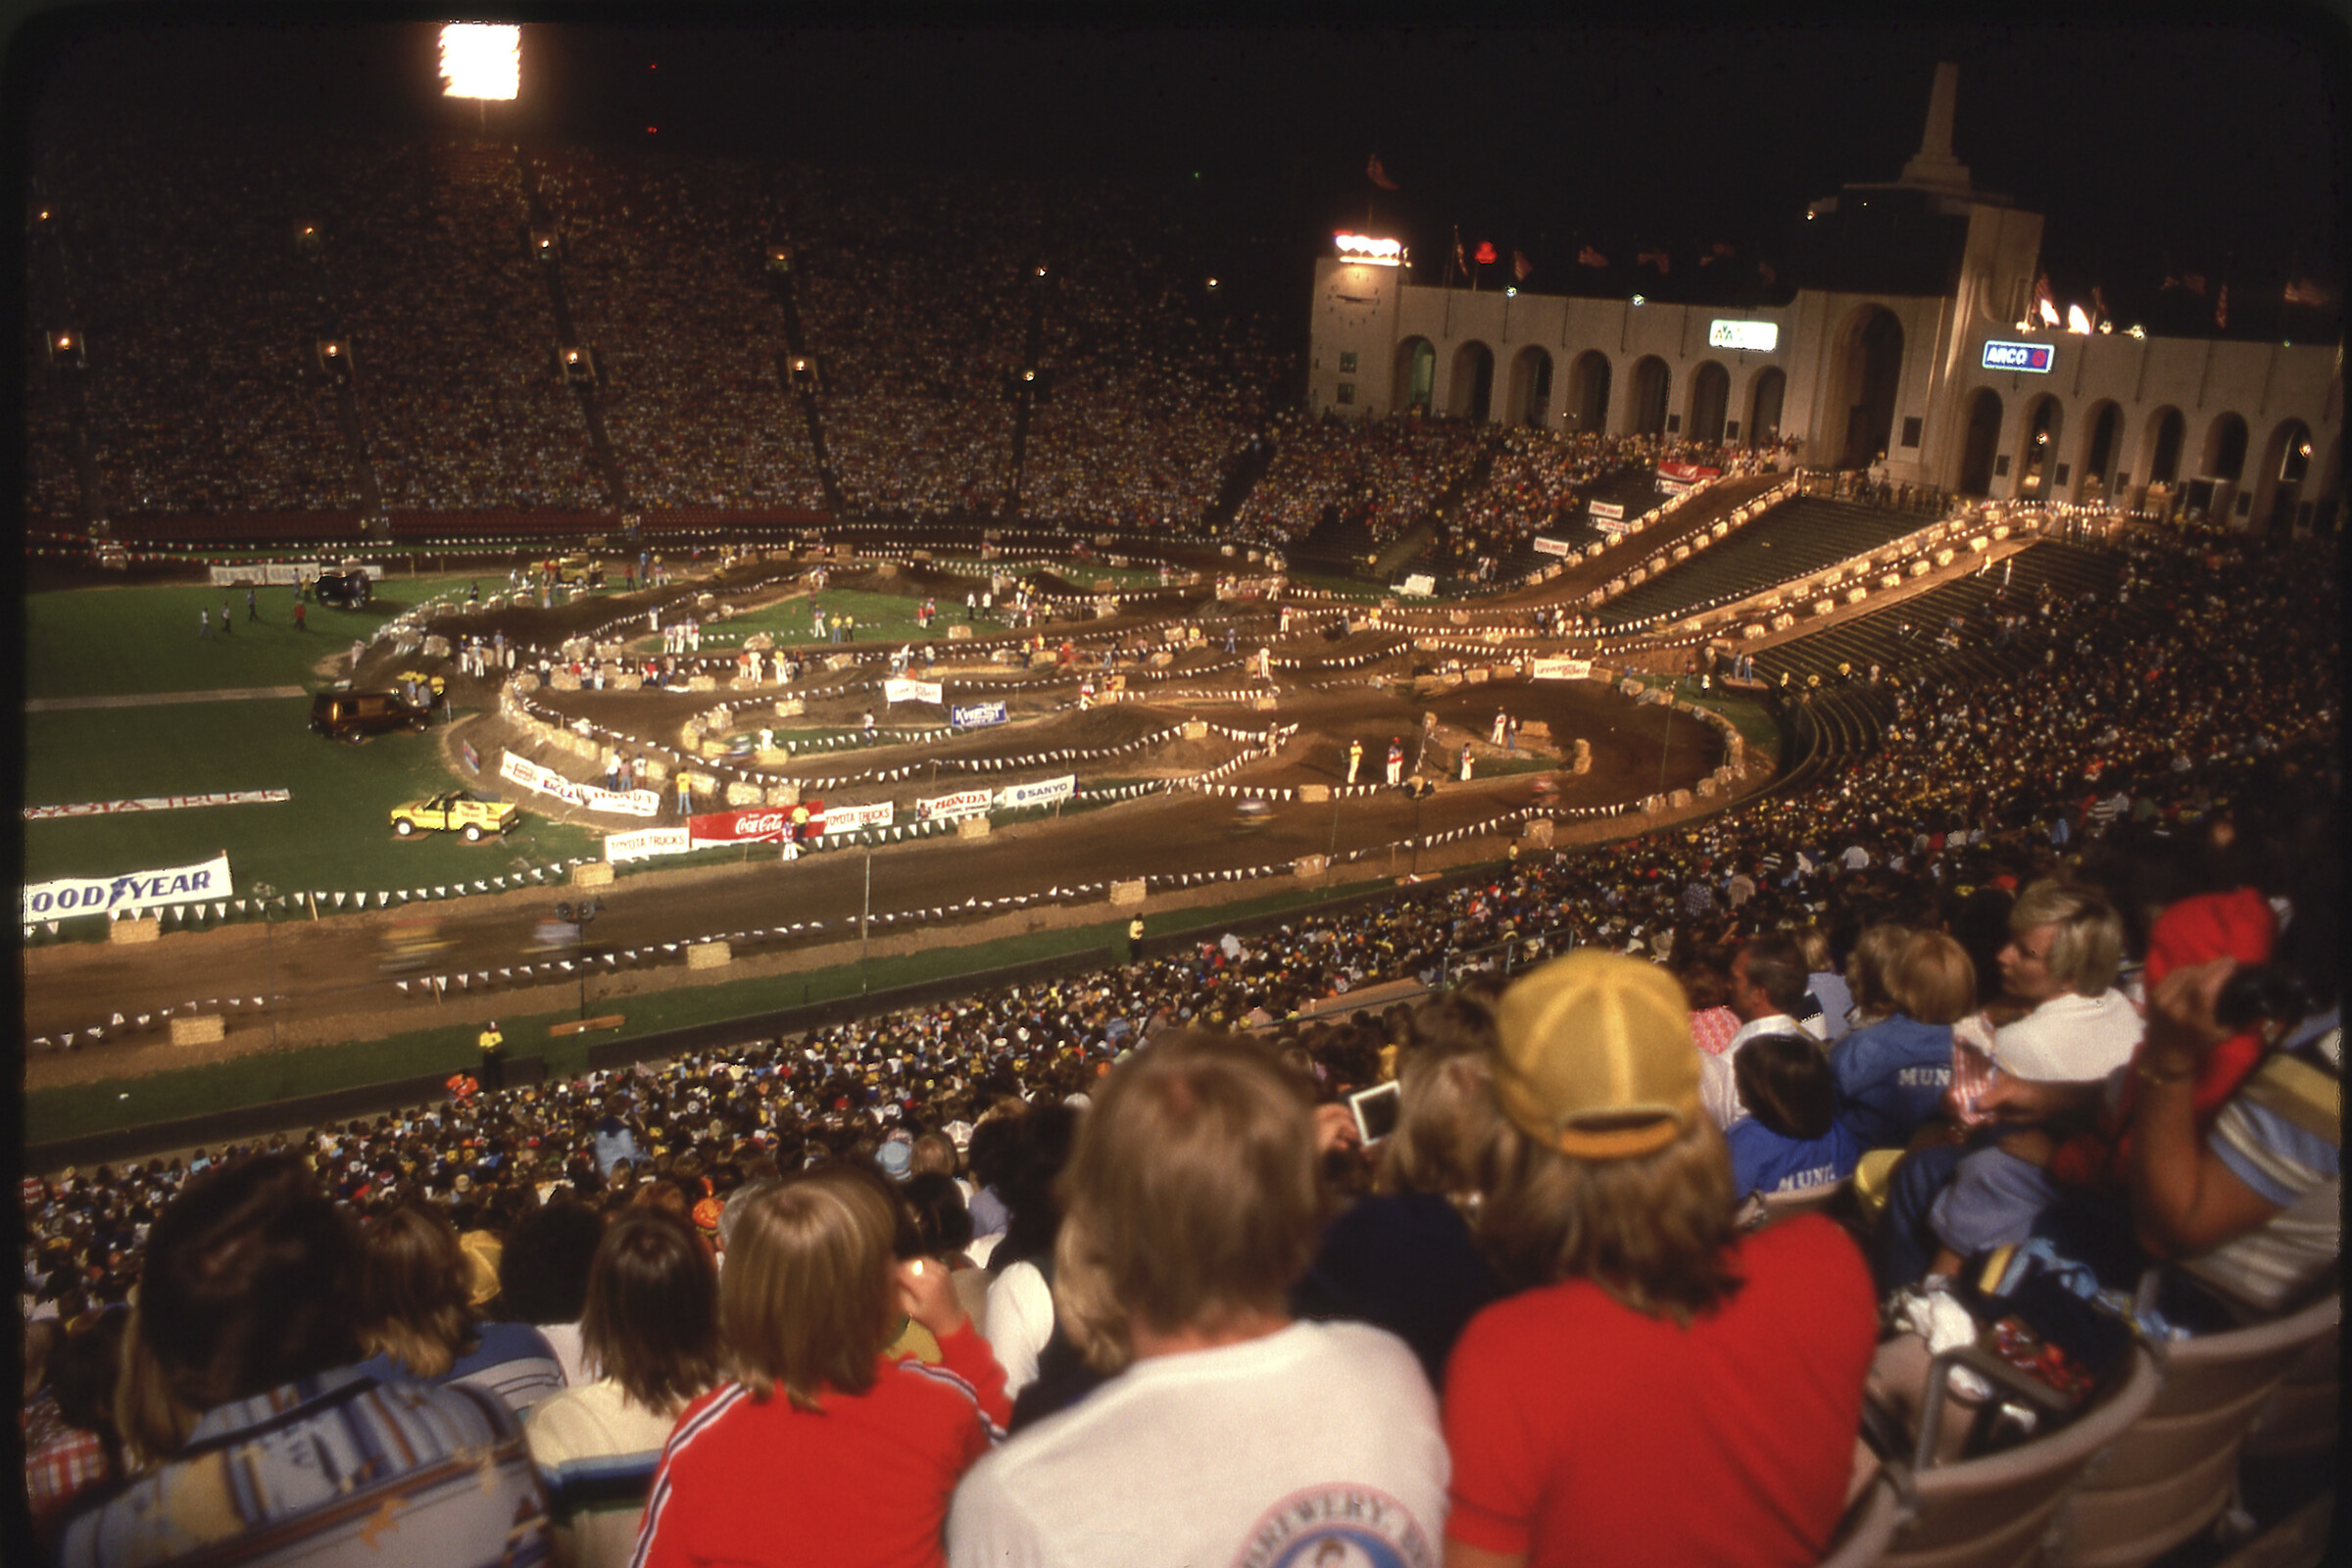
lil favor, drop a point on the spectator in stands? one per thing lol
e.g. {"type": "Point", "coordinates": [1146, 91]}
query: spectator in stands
{"type": "Point", "coordinates": [1654, 1341]}
{"type": "Point", "coordinates": [1792, 1138]}
{"type": "Point", "coordinates": [1021, 1318]}
{"type": "Point", "coordinates": [650, 1326]}
{"type": "Point", "coordinates": [1892, 1072]}
{"type": "Point", "coordinates": [248, 1305]}
{"type": "Point", "coordinates": [1402, 1258]}
{"type": "Point", "coordinates": [1194, 1207]}
{"type": "Point", "coordinates": [1766, 991]}
{"type": "Point", "coordinates": [417, 1315]}
{"type": "Point", "coordinates": [543, 1278]}
{"type": "Point", "coordinates": [820, 1450]}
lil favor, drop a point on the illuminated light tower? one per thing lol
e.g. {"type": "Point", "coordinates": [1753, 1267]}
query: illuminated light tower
{"type": "Point", "coordinates": [481, 61]}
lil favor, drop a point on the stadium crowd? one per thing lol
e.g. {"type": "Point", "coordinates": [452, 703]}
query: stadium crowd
{"type": "Point", "coordinates": [1075, 1196]}
{"type": "Point", "coordinates": [1386, 473]}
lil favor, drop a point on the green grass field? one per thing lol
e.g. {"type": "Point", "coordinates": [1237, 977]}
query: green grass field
{"type": "Point", "coordinates": [331, 834]}
{"type": "Point", "coordinates": [881, 618]}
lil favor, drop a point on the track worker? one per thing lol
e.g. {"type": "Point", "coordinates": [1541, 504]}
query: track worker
{"type": "Point", "coordinates": [1643, 1309]}
{"type": "Point", "coordinates": [1228, 1432]}
{"type": "Point", "coordinates": [493, 1047]}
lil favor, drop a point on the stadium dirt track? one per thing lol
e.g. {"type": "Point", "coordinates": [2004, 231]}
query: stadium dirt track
{"type": "Point", "coordinates": [332, 989]}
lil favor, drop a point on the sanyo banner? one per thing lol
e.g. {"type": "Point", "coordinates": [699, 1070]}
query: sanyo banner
{"type": "Point", "coordinates": [204, 883]}
{"type": "Point", "coordinates": [2035, 358]}
{"type": "Point", "coordinates": [1045, 792]}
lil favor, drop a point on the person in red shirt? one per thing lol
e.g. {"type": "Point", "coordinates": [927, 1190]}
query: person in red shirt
{"type": "Point", "coordinates": [1662, 1389]}
{"type": "Point", "coordinates": [820, 1450]}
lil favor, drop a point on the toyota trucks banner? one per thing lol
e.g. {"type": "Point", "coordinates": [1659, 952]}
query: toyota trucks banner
{"type": "Point", "coordinates": [644, 842]}
{"type": "Point", "coordinates": [975, 714]}
{"type": "Point", "coordinates": [546, 781]}
{"type": "Point", "coordinates": [1560, 668]}
{"type": "Point", "coordinates": [943, 807]}
{"type": "Point", "coordinates": [912, 691]}
{"type": "Point", "coordinates": [831, 819]}
{"type": "Point", "coordinates": [206, 882]}
{"type": "Point", "coordinates": [1042, 793]}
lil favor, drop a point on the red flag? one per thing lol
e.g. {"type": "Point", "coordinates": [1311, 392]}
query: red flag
{"type": "Point", "coordinates": [2170, 283]}
{"type": "Point", "coordinates": [2098, 303]}
{"type": "Point", "coordinates": [1483, 256]}
{"type": "Point", "coordinates": [2307, 291]}
{"type": "Point", "coordinates": [1521, 267]}
{"type": "Point", "coordinates": [1656, 259]}
{"type": "Point", "coordinates": [1715, 253]}
{"type": "Point", "coordinates": [1587, 256]}
{"type": "Point", "coordinates": [2221, 307]}
{"type": "Point", "coordinates": [1379, 176]}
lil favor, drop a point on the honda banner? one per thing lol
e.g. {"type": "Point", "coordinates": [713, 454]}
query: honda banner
{"type": "Point", "coordinates": [946, 808]}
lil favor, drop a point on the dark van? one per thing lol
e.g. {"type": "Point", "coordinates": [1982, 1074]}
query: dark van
{"type": "Point", "coordinates": [345, 590]}
{"type": "Point", "coordinates": [348, 716]}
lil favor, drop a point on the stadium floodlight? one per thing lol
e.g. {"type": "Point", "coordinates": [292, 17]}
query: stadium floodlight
{"type": "Point", "coordinates": [1369, 248]}
{"type": "Point", "coordinates": [481, 61]}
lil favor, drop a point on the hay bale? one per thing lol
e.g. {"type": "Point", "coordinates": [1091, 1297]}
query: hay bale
{"type": "Point", "coordinates": [971, 827]}
{"type": "Point", "coordinates": [1677, 799]}
{"type": "Point", "coordinates": [1537, 832]}
{"type": "Point", "coordinates": [150, 929]}
{"type": "Point", "coordinates": [1581, 762]}
{"type": "Point", "coordinates": [702, 683]}
{"type": "Point", "coordinates": [1313, 794]}
{"type": "Point", "coordinates": [709, 955]}
{"type": "Point", "coordinates": [783, 795]}
{"type": "Point", "coordinates": [1195, 729]}
{"type": "Point", "coordinates": [204, 1030]}
{"type": "Point", "coordinates": [562, 680]}
{"type": "Point", "coordinates": [592, 875]}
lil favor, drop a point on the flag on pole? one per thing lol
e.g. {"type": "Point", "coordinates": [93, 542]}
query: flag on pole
{"type": "Point", "coordinates": [1521, 267]}
{"type": "Point", "coordinates": [2046, 304]}
{"type": "Point", "coordinates": [2308, 291]}
{"type": "Point", "coordinates": [1378, 176]}
{"type": "Point", "coordinates": [1587, 256]}
{"type": "Point", "coordinates": [1483, 256]}
{"type": "Point", "coordinates": [1715, 253]}
{"type": "Point", "coordinates": [1656, 259]}
{"type": "Point", "coordinates": [2221, 307]}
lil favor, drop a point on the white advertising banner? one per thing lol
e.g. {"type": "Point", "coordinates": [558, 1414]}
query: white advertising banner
{"type": "Point", "coordinates": [946, 808]}
{"type": "Point", "coordinates": [206, 882]}
{"type": "Point", "coordinates": [156, 802]}
{"type": "Point", "coordinates": [1419, 583]}
{"type": "Point", "coordinates": [1560, 668]}
{"type": "Point", "coordinates": [1606, 511]}
{"type": "Point", "coordinates": [973, 714]}
{"type": "Point", "coordinates": [1552, 546]}
{"type": "Point", "coordinates": [642, 843]}
{"type": "Point", "coordinates": [281, 573]}
{"type": "Point", "coordinates": [546, 781]}
{"type": "Point", "coordinates": [912, 691]}
{"type": "Point", "coordinates": [1042, 793]}
{"type": "Point", "coordinates": [857, 818]}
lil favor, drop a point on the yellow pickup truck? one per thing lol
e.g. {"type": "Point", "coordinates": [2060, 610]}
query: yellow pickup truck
{"type": "Point", "coordinates": [455, 812]}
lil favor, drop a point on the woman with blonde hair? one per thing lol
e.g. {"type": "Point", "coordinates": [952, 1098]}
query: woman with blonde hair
{"type": "Point", "coordinates": [819, 1449]}
{"type": "Point", "coordinates": [1892, 1074]}
{"type": "Point", "coordinates": [417, 1320]}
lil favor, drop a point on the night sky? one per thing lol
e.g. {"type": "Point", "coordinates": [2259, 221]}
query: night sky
{"type": "Point", "coordinates": [2150, 147]}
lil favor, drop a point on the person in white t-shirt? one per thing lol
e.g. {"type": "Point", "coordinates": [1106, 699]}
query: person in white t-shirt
{"type": "Point", "coordinates": [1767, 988]}
{"type": "Point", "coordinates": [1229, 1432]}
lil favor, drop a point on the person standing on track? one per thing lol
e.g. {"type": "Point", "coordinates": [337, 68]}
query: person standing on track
{"type": "Point", "coordinates": [1396, 760]}
{"type": "Point", "coordinates": [1355, 758]}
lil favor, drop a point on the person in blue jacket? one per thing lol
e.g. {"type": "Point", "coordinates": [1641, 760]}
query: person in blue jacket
{"type": "Point", "coordinates": [1790, 1139]}
{"type": "Point", "coordinates": [1892, 1074]}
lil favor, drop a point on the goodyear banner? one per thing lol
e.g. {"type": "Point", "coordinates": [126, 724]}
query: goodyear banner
{"type": "Point", "coordinates": [946, 808]}
{"type": "Point", "coordinates": [546, 781]}
{"type": "Point", "coordinates": [1560, 668]}
{"type": "Point", "coordinates": [644, 842]}
{"type": "Point", "coordinates": [1042, 793]}
{"type": "Point", "coordinates": [912, 691]}
{"type": "Point", "coordinates": [976, 714]}
{"type": "Point", "coordinates": [204, 883]}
